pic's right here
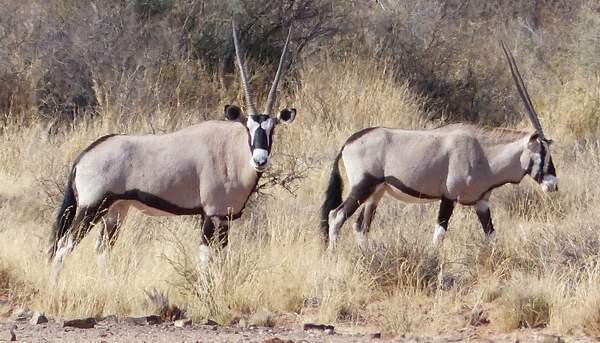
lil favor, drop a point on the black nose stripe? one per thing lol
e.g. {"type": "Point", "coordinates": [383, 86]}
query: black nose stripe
{"type": "Point", "coordinates": [260, 139]}
{"type": "Point", "coordinates": [540, 174]}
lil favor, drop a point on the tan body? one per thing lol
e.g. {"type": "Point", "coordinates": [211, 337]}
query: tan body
{"type": "Point", "coordinates": [459, 162]}
{"type": "Point", "coordinates": [456, 163]}
{"type": "Point", "coordinates": [202, 168]}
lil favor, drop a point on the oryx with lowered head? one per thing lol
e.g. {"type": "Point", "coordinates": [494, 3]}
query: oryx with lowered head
{"type": "Point", "coordinates": [456, 163]}
{"type": "Point", "coordinates": [209, 169]}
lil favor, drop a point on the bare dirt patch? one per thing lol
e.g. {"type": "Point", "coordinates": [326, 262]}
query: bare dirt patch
{"type": "Point", "coordinates": [125, 331]}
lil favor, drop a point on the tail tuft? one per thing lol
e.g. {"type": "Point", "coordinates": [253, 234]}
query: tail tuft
{"type": "Point", "coordinates": [65, 216]}
{"type": "Point", "coordinates": [333, 196]}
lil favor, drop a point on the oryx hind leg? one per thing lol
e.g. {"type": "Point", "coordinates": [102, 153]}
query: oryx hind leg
{"type": "Point", "coordinates": [365, 217]}
{"type": "Point", "coordinates": [81, 226]}
{"type": "Point", "coordinates": [444, 214]}
{"type": "Point", "coordinates": [111, 224]}
{"type": "Point", "coordinates": [359, 193]}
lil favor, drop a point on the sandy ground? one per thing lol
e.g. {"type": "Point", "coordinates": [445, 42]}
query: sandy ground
{"type": "Point", "coordinates": [121, 331]}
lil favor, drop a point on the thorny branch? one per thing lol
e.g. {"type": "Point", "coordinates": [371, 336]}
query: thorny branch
{"type": "Point", "coordinates": [287, 177]}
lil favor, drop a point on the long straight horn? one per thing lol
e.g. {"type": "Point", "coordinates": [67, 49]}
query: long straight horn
{"type": "Point", "coordinates": [273, 91]}
{"type": "Point", "coordinates": [514, 70]}
{"type": "Point", "coordinates": [240, 61]}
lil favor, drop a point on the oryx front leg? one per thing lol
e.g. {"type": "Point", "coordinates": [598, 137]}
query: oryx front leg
{"type": "Point", "coordinates": [358, 194]}
{"type": "Point", "coordinates": [365, 218]}
{"type": "Point", "coordinates": [482, 208]}
{"type": "Point", "coordinates": [444, 214]}
{"type": "Point", "coordinates": [208, 231]}
{"type": "Point", "coordinates": [221, 236]}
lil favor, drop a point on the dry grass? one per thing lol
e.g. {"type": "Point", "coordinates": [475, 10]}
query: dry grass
{"type": "Point", "coordinates": [542, 271]}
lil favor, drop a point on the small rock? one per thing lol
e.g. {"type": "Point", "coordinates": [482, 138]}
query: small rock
{"type": "Point", "coordinates": [328, 331]}
{"type": "Point", "coordinates": [38, 318]}
{"type": "Point", "coordinates": [210, 322]}
{"type": "Point", "coordinates": [147, 320]}
{"type": "Point", "coordinates": [320, 327]}
{"type": "Point", "coordinates": [277, 340]}
{"type": "Point", "coordinates": [243, 323]}
{"type": "Point", "coordinates": [376, 335]}
{"type": "Point", "coordinates": [22, 314]}
{"type": "Point", "coordinates": [543, 338]}
{"type": "Point", "coordinates": [181, 323]}
{"type": "Point", "coordinates": [85, 323]}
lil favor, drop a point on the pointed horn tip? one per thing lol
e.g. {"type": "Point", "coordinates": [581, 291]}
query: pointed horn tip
{"type": "Point", "coordinates": [273, 90]}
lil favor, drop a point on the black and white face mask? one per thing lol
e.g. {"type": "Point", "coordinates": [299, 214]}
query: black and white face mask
{"type": "Point", "coordinates": [260, 128]}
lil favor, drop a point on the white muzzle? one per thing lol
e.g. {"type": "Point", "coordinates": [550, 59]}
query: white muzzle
{"type": "Point", "coordinates": [260, 160]}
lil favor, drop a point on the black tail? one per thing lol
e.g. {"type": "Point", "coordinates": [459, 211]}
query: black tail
{"type": "Point", "coordinates": [65, 216]}
{"type": "Point", "coordinates": [333, 196]}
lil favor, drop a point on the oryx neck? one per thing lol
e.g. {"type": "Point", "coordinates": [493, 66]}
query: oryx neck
{"type": "Point", "coordinates": [505, 160]}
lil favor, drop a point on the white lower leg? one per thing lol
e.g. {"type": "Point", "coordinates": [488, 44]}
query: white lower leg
{"type": "Point", "coordinates": [204, 254]}
{"type": "Point", "coordinates": [224, 252]}
{"type": "Point", "coordinates": [492, 237]}
{"type": "Point", "coordinates": [64, 247]}
{"type": "Point", "coordinates": [438, 235]}
{"type": "Point", "coordinates": [361, 239]}
{"type": "Point", "coordinates": [101, 259]}
{"type": "Point", "coordinates": [336, 219]}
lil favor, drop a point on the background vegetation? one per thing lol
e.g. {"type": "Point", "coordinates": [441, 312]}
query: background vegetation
{"type": "Point", "coordinates": [71, 71]}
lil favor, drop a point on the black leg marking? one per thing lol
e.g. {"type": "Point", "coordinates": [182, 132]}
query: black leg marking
{"type": "Point", "coordinates": [485, 218]}
{"type": "Point", "coordinates": [110, 230]}
{"type": "Point", "coordinates": [359, 193]}
{"type": "Point", "coordinates": [208, 230]}
{"type": "Point", "coordinates": [218, 233]}
{"type": "Point", "coordinates": [445, 212]}
{"type": "Point", "coordinates": [360, 220]}
{"type": "Point", "coordinates": [365, 218]}
{"type": "Point", "coordinates": [224, 234]}
{"type": "Point", "coordinates": [87, 217]}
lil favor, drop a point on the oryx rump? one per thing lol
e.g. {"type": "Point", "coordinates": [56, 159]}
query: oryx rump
{"type": "Point", "coordinates": [457, 163]}
{"type": "Point", "coordinates": [209, 169]}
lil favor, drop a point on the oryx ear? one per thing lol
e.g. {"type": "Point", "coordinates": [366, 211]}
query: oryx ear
{"type": "Point", "coordinates": [534, 137]}
{"type": "Point", "coordinates": [534, 140]}
{"type": "Point", "coordinates": [287, 115]}
{"type": "Point", "coordinates": [232, 112]}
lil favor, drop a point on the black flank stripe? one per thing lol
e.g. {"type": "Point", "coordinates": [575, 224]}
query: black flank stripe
{"type": "Point", "coordinates": [152, 201]}
{"type": "Point", "coordinates": [391, 180]}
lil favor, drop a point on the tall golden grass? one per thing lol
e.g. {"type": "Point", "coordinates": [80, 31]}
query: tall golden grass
{"type": "Point", "coordinates": [542, 271]}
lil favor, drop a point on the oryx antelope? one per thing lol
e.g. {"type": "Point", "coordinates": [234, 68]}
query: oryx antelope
{"type": "Point", "coordinates": [457, 163]}
{"type": "Point", "coordinates": [209, 169]}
